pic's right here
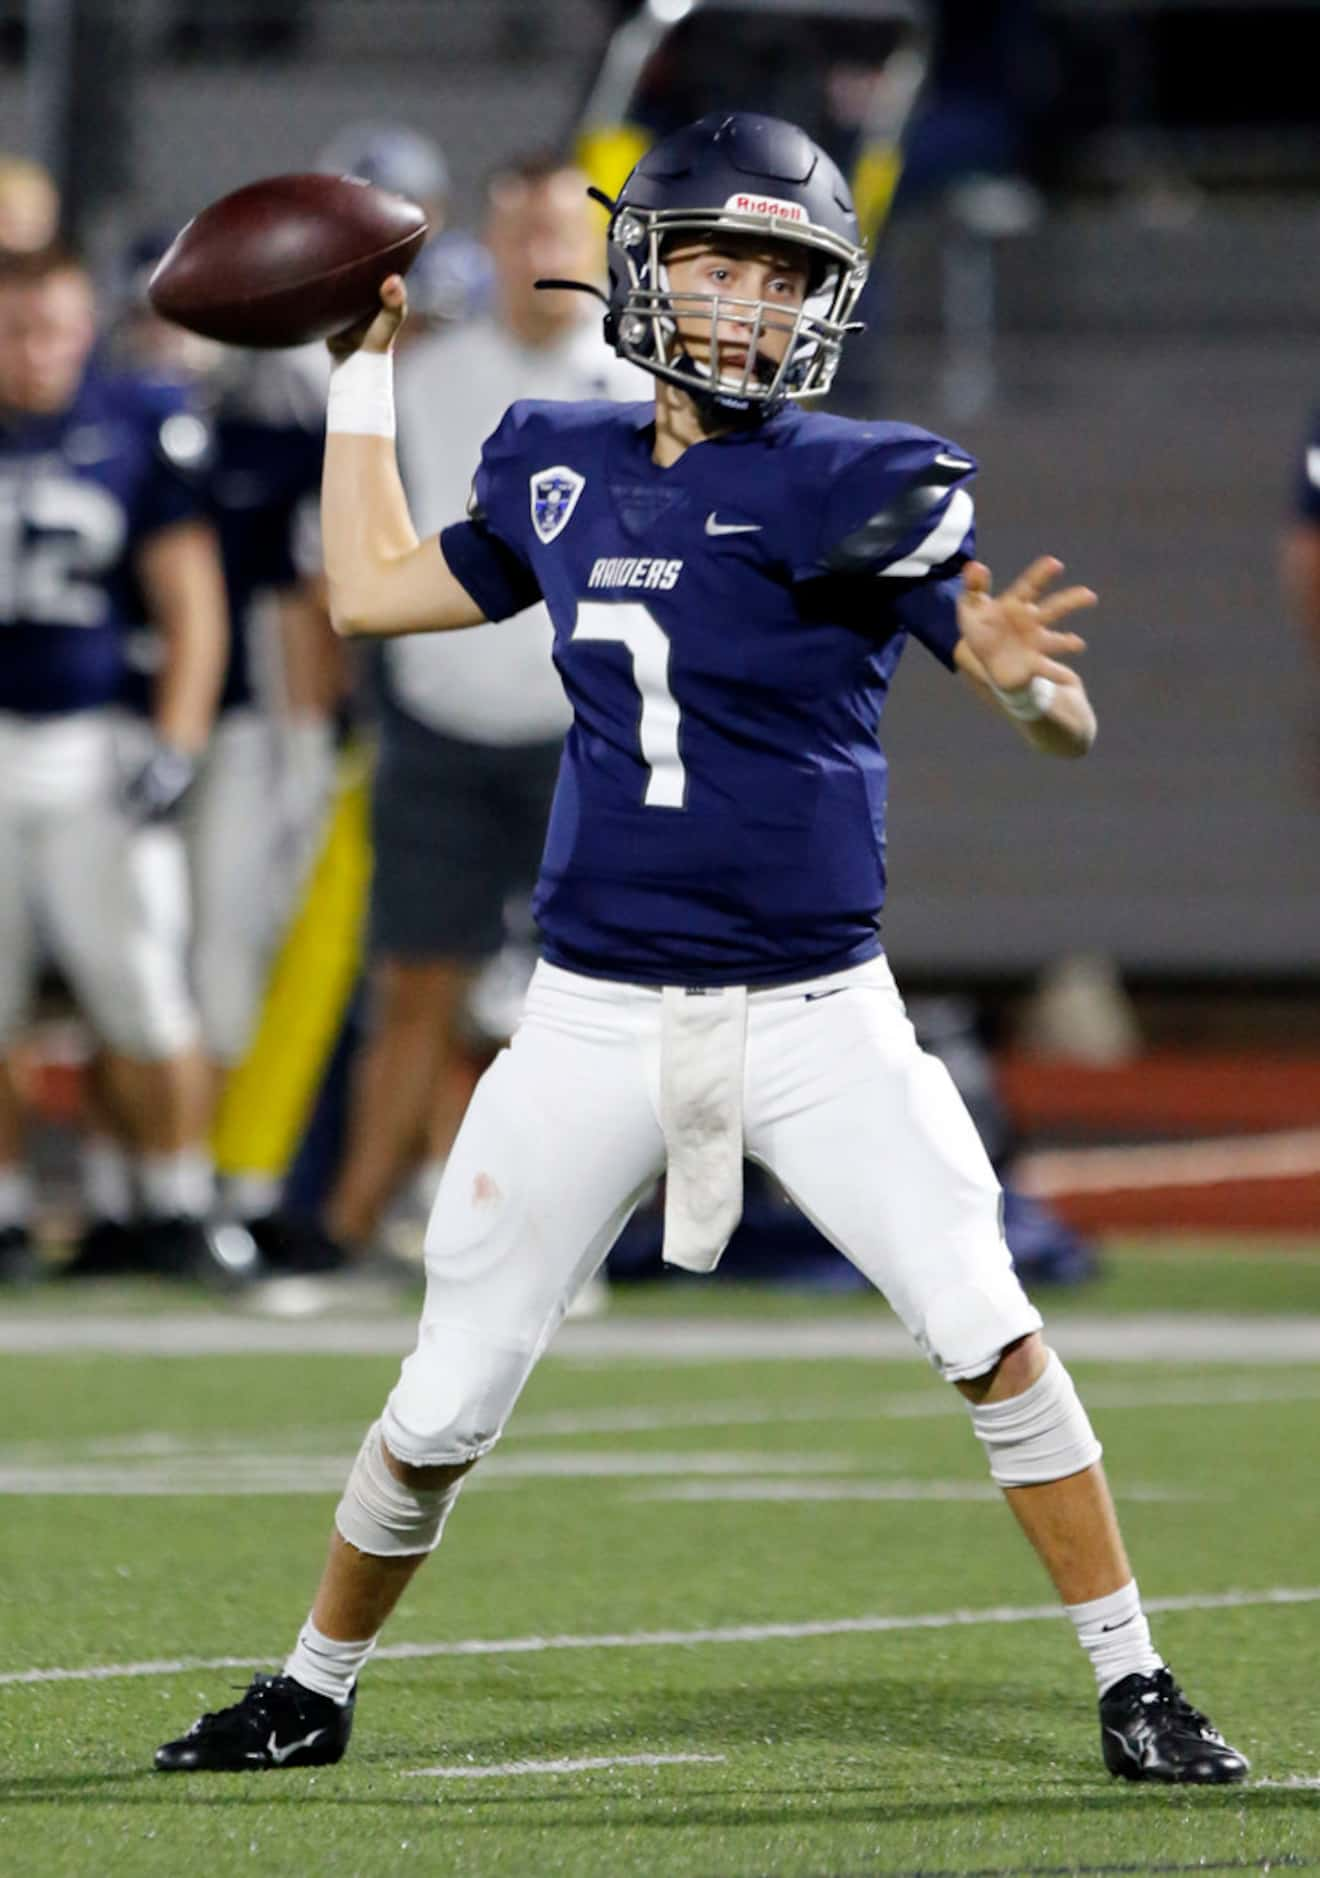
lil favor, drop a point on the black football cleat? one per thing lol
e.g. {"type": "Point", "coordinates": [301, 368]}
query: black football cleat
{"type": "Point", "coordinates": [277, 1724]}
{"type": "Point", "coordinates": [193, 1249]}
{"type": "Point", "coordinates": [105, 1249]}
{"type": "Point", "coordinates": [1150, 1731]}
{"type": "Point", "coordinates": [19, 1263]}
{"type": "Point", "coordinates": [295, 1245]}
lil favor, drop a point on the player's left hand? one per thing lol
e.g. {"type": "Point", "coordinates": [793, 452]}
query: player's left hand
{"type": "Point", "coordinates": [1015, 634]}
{"type": "Point", "coordinates": [155, 791]}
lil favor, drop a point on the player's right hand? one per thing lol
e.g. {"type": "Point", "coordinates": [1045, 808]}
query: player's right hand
{"type": "Point", "coordinates": [377, 333]}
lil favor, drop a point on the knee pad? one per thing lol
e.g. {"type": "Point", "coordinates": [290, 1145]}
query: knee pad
{"type": "Point", "coordinates": [381, 1516]}
{"type": "Point", "coordinates": [454, 1395]}
{"type": "Point", "coordinates": [1041, 1435]}
{"type": "Point", "coordinates": [968, 1325]}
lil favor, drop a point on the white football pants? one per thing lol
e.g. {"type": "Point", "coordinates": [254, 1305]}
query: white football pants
{"type": "Point", "coordinates": [105, 900]}
{"type": "Point", "coordinates": [232, 831]}
{"type": "Point", "coordinates": [562, 1139]}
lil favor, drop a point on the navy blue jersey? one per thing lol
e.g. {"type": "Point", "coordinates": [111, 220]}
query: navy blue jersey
{"type": "Point", "coordinates": [726, 630]}
{"type": "Point", "coordinates": [1307, 495]}
{"type": "Point", "coordinates": [79, 494]}
{"type": "Point", "coordinates": [259, 474]}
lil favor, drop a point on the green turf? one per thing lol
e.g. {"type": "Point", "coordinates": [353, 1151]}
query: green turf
{"type": "Point", "coordinates": [1265, 1274]}
{"type": "Point", "coordinates": [955, 1750]}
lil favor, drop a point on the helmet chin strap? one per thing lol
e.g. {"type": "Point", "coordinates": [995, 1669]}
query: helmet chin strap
{"type": "Point", "coordinates": [571, 286]}
{"type": "Point", "coordinates": [720, 408]}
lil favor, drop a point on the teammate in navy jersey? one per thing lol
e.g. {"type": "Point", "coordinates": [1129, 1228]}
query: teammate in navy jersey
{"type": "Point", "coordinates": [1301, 548]}
{"type": "Point", "coordinates": [272, 734]}
{"type": "Point", "coordinates": [100, 526]}
{"type": "Point", "coordinates": [732, 581]}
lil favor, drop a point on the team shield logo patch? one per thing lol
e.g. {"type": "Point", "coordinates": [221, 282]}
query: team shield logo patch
{"type": "Point", "coordinates": [554, 498]}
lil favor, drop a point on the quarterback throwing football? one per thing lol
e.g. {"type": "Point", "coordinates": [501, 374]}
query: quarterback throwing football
{"type": "Point", "coordinates": [732, 580]}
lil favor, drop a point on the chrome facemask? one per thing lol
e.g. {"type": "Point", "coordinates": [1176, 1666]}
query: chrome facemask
{"type": "Point", "coordinates": [647, 321]}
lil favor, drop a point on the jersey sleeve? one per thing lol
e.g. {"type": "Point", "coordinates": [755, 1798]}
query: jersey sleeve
{"type": "Point", "coordinates": [896, 524]}
{"type": "Point", "coordinates": [901, 511]}
{"type": "Point", "coordinates": [1307, 493]}
{"type": "Point", "coordinates": [297, 553]}
{"type": "Point", "coordinates": [488, 554]}
{"type": "Point", "coordinates": [180, 448]}
{"type": "Point", "coordinates": [929, 611]}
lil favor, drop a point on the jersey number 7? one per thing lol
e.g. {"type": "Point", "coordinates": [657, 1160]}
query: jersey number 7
{"type": "Point", "coordinates": [628, 623]}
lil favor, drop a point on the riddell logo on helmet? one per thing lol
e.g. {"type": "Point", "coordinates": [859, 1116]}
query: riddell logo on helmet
{"type": "Point", "coordinates": [767, 205]}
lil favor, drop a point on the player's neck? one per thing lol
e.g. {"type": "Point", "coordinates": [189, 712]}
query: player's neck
{"type": "Point", "coordinates": [679, 423]}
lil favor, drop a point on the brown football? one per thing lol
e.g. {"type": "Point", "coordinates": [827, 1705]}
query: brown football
{"type": "Point", "coordinates": [287, 260]}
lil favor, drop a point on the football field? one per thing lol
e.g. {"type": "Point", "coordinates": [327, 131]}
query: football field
{"type": "Point", "coordinates": [734, 1596]}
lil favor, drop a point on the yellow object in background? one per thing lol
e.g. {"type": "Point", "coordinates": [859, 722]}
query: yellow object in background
{"type": "Point", "coordinates": [874, 180]}
{"type": "Point", "coordinates": [608, 153]}
{"type": "Point", "coordinates": [269, 1097]}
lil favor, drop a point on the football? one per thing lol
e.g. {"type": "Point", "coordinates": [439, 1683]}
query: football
{"type": "Point", "coordinates": [287, 260]}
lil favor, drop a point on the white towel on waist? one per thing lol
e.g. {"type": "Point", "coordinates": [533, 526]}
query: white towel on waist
{"type": "Point", "coordinates": [703, 1043]}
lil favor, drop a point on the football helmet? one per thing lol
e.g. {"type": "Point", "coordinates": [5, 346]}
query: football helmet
{"type": "Point", "coordinates": [734, 173]}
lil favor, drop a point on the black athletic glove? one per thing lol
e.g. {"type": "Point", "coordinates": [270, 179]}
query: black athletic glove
{"type": "Point", "coordinates": [154, 792]}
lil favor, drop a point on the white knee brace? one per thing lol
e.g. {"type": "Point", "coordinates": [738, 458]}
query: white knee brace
{"type": "Point", "coordinates": [1039, 1436]}
{"type": "Point", "coordinates": [380, 1515]}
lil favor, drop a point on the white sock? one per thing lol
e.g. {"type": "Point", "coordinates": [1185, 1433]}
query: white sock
{"type": "Point", "coordinates": [325, 1664]}
{"type": "Point", "coordinates": [249, 1196]}
{"type": "Point", "coordinates": [107, 1180]}
{"type": "Point", "coordinates": [15, 1197]}
{"type": "Point", "coordinates": [1115, 1635]}
{"type": "Point", "coordinates": [176, 1186]}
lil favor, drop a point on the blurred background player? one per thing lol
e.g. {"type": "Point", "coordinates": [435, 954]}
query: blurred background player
{"type": "Point", "coordinates": [1301, 549]}
{"type": "Point", "coordinates": [470, 728]}
{"type": "Point", "coordinates": [29, 205]}
{"type": "Point", "coordinates": [255, 809]}
{"type": "Point", "coordinates": [453, 277]}
{"type": "Point", "coordinates": [100, 528]}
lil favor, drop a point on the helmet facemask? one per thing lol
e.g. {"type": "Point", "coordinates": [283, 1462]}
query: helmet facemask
{"type": "Point", "coordinates": [647, 320]}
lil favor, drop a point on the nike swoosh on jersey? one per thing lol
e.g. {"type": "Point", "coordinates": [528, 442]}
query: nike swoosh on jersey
{"type": "Point", "coordinates": [280, 1755]}
{"type": "Point", "coordinates": [714, 527]}
{"type": "Point", "coordinates": [810, 997]}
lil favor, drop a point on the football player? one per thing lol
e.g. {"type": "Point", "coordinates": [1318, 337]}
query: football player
{"type": "Point", "coordinates": [1301, 545]}
{"type": "Point", "coordinates": [732, 581]}
{"type": "Point", "coordinates": [269, 762]}
{"type": "Point", "coordinates": [100, 526]}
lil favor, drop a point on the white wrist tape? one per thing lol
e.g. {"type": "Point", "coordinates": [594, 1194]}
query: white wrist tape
{"type": "Point", "coordinates": [1027, 702]}
{"type": "Point", "coordinates": [361, 399]}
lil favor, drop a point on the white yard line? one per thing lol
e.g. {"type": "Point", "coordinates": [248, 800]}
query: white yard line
{"type": "Point", "coordinates": [206, 1475]}
{"type": "Point", "coordinates": [662, 1639]}
{"type": "Point", "coordinates": [335, 1443]}
{"type": "Point", "coordinates": [829, 1491]}
{"type": "Point", "coordinates": [1147, 1338]}
{"type": "Point", "coordinates": [502, 1770]}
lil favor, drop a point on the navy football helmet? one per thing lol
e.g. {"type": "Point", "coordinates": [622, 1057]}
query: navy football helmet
{"type": "Point", "coordinates": [735, 173]}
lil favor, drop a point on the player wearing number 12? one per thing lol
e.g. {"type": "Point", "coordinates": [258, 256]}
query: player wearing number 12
{"type": "Point", "coordinates": [732, 582]}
